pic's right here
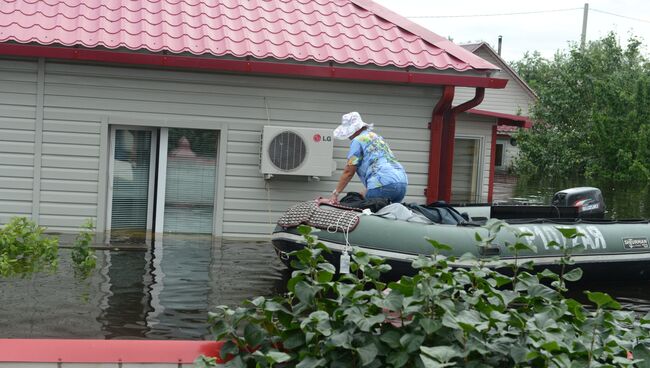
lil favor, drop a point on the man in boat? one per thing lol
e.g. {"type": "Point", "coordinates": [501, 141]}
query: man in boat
{"type": "Point", "coordinates": [371, 158]}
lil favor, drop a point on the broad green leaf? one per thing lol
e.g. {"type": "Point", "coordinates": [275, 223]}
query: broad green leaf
{"type": "Point", "coordinates": [468, 319]}
{"type": "Point", "coordinates": [272, 306]}
{"type": "Point", "coordinates": [228, 348]}
{"type": "Point", "coordinates": [573, 275]}
{"type": "Point", "coordinates": [394, 301]}
{"type": "Point", "coordinates": [305, 230]}
{"type": "Point", "coordinates": [253, 334]}
{"type": "Point", "coordinates": [367, 353]}
{"type": "Point", "coordinates": [398, 359]}
{"type": "Point", "coordinates": [442, 354]}
{"type": "Point", "coordinates": [551, 346]}
{"type": "Point", "coordinates": [310, 362]}
{"type": "Point", "coordinates": [439, 246]}
{"type": "Point", "coordinates": [219, 329]}
{"type": "Point", "coordinates": [294, 339]}
{"type": "Point", "coordinates": [422, 262]}
{"type": "Point", "coordinates": [305, 292]}
{"type": "Point", "coordinates": [324, 276]}
{"type": "Point", "coordinates": [291, 284]}
{"type": "Point", "coordinates": [541, 291]}
{"type": "Point", "coordinates": [277, 357]}
{"type": "Point", "coordinates": [602, 300]}
{"type": "Point", "coordinates": [411, 342]}
{"type": "Point", "coordinates": [391, 338]}
{"type": "Point", "coordinates": [429, 325]}
{"type": "Point", "coordinates": [342, 339]}
{"type": "Point", "coordinates": [519, 246]}
{"type": "Point", "coordinates": [642, 352]}
{"type": "Point", "coordinates": [575, 308]}
{"type": "Point", "coordinates": [518, 353]}
{"type": "Point", "coordinates": [429, 362]}
{"type": "Point", "coordinates": [547, 274]}
{"type": "Point", "coordinates": [568, 233]}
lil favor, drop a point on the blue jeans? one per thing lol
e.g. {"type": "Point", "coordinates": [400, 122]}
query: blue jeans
{"type": "Point", "coordinates": [394, 192]}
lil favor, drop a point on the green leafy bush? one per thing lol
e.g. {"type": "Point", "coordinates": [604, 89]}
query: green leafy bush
{"type": "Point", "coordinates": [84, 260]}
{"type": "Point", "coordinates": [441, 317]}
{"type": "Point", "coordinates": [25, 250]}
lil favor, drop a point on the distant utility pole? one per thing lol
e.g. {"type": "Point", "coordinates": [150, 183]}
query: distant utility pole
{"type": "Point", "coordinates": [583, 37]}
{"type": "Point", "coordinates": [499, 47]}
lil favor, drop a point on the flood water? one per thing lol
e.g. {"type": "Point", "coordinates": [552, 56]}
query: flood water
{"type": "Point", "coordinates": [165, 290]}
{"type": "Point", "coordinates": [623, 201]}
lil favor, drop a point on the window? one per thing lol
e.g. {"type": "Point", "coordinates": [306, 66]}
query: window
{"type": "Point", "coordinates": [465, 171]}
{"type": "Point", "coordinates": [498, 156]}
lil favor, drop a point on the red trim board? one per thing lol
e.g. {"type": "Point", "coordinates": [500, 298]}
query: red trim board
{"type": "Point", "coordinates": [248, 66]}
{"type": "Point", "coordinates": [105, 351]}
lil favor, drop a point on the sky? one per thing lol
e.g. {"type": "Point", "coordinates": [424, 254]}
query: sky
{"type": "Point", "coordinates": [549, 30]}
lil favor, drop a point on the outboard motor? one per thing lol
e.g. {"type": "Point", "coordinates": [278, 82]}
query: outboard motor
{"type": "Point", "coordinates": [588, 200]}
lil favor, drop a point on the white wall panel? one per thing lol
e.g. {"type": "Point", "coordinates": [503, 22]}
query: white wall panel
{"type": "Point", "coordinates": [513, 99]}
{"type": "Point", "coordinates": [69, 172]}
{"type": "Point", "coordinates": [17, 119]}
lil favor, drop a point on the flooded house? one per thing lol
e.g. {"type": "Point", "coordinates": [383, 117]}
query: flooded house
{"type": "Point", "coordinates": [509, 107]}
{"type": "Point", "coordinates": [168, 116]}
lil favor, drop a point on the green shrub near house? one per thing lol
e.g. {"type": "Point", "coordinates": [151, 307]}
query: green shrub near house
{"type": "Point", "coordinates": [25, 249]}
{"type": "Point", "coordinates": [442, 317]}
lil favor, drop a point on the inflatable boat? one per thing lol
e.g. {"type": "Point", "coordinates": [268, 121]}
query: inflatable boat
{"type": "Point", "coordinates": [398, 233]}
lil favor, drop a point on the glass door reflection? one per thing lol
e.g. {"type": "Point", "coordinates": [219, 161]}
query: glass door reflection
{"type": "Point", "coordinates": [187, 178]}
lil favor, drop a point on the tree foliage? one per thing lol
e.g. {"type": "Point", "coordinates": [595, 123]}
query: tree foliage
{"type": "Point", "coordinates": [592, 119]}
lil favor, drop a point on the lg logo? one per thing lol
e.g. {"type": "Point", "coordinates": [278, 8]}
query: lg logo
{"type": "Point", "coordinates": [321, 138]}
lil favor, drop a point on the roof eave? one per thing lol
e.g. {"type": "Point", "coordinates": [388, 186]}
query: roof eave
{"type": "Point", "coordinates": [507, 67]}
{"type": "Point", "coordinates": [247, 66]}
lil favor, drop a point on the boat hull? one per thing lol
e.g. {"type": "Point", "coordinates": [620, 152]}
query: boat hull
{"type": "Point", "coordinates": [610, 250]}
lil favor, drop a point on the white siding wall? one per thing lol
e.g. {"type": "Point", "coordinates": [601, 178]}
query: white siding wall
{"type": "Point", "coordinates": [80, 99]}
{"type": "Point", "coordinates": [513, 99]}
{"type": "Point", "coordinates": [472, 126]}
{"type": "Point", "coordinates": [510, 153]}
{"type": "Point", "coordinates": [69, 172]}
{"type": "Point", "coordinates": [18, 88]}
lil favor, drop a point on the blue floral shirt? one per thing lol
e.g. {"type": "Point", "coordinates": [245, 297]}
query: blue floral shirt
{"type": "Point", "coordinates": [375, 162]}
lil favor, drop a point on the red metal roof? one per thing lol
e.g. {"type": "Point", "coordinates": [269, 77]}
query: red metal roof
{"type": "Point", "coordinates": [342, 31]}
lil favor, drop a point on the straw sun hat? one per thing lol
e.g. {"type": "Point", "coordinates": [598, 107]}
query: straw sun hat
{"type": "Point", "coordinates": [350, 124]}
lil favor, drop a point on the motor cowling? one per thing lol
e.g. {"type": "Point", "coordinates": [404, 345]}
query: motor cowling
{"type": "Point", "coordinates": [588, 200]}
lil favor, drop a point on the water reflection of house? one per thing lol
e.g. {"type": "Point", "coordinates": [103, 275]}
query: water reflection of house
{"type": "Point", "coordinates": [72, 94]}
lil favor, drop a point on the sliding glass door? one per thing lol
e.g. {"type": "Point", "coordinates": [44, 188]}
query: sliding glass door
{"type": "Point", "coordinates": [131, 190]}
{"type": "Point", "coordinates": [162, 180]}
{"type": "Point", "coordinates": [190, 166]}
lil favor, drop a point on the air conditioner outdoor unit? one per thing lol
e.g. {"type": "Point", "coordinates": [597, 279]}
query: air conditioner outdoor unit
{"type": "Point", "coordinates": [297, 151]}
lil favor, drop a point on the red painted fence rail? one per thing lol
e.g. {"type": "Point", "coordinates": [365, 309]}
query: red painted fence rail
{"type": "Point", "coordinates": [105, 351]}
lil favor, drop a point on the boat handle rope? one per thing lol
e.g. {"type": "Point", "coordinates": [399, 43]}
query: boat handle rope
{"type": "Point", "coordinates": [344, 264]}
